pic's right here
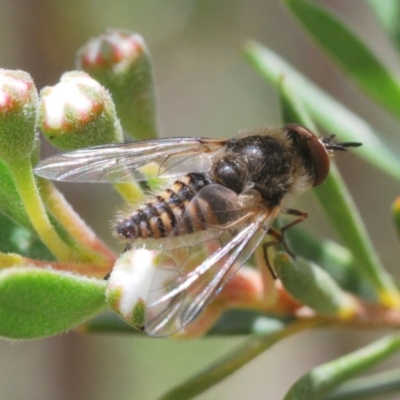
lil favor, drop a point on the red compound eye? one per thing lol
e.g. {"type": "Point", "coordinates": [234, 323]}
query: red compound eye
{"type": "Point", "coordinates": [318, 152]}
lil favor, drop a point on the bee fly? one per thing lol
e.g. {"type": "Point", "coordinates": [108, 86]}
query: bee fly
{"type": "Point", "coordinates": [217, 213]}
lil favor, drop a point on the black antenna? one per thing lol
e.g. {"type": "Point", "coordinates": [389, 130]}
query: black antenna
{"type": "Point", "coordinates": [330, 144]}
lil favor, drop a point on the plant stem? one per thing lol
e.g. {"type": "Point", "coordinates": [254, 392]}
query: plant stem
{"type": "Point", "coordinates": [130, 192]}
{"type": "Point", "coordinates": [10, 260]}
{"type": "Point", "coordinates": [93, 270]}
{"type": "Point", "coordinates": [28, 191]}
{"type": "Point", "coordinates": [231, 363]}
{"type": "Point", "coordinates": [72, 222]}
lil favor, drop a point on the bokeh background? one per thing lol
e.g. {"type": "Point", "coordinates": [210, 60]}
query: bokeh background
{"type": "Point", "coordinates": [204, 88]}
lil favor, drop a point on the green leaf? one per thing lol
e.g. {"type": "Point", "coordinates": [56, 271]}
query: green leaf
{"type": "Point", "coordinates": [325, 110]}
{"type": "Point", "coordinates": [368, 386]}
{"type": "Point", "coordinates": [15, 238]}
{"type": "Point", "coordinates": [333, 258]}
{"type": "Point", "coordinates": [312, 286]}
{"type": "Point", "coordinates": [350, 53]}
{"type": "Point", "coordinates": [317, 383]}
{"type": "Point", "coordinates": [388, 14]}
{"type": "Point", "coordinates": [36, 303]}
{"type": "Point", "coordinates": [344, 216]}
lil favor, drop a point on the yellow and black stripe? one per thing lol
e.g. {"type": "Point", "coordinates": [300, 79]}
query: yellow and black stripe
{"type": "Point", "coordinates": [171, 209]}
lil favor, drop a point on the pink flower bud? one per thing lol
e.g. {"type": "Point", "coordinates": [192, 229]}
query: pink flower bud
{"type": "Point", "coordinates": [18, 102]}
{"type": "Point", "coordinates": [121, 62]}
{"type": "Point", "coordinates": [78, 112]}
{"type": "Point", "coordinates": [114, 50]}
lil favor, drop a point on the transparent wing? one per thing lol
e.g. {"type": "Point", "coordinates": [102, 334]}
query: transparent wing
{"type": "Point", "coordinates": [131, 161]}
{"type": "Point", "coordinates": [189, 276]}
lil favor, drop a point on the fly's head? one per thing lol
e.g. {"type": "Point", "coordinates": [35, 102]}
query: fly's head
{"type": "Point", "coordinates": [315, 150]}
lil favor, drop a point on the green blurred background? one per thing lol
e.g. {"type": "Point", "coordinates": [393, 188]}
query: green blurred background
{"type": "Point", "coordinates": [204, 88]}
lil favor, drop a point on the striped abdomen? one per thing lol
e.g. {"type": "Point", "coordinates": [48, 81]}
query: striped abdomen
{"type": "Point", "coordinates": [160, 216]}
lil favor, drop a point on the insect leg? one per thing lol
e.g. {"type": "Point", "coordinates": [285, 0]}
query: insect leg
{"type": "Point", "coordinates": [277, 239]}
{"type": "Point", "coordinates": [278, 236]}
{"type": "Point", "coordinates": [301, 216]}
{"type": "Point", "coordinates": [128, 247]}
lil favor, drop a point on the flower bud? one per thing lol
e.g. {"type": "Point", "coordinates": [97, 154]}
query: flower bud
{"type": "Point", "coordinates": [78, 112]}
{"type": "Point", "coordinates": [18, 103]}
{"type": "Point", "coordinates": [129, 285]}
{"type": "Point", "coordinates": [313, 287]}
{"type": "Point", "coordinates": [121, 62]}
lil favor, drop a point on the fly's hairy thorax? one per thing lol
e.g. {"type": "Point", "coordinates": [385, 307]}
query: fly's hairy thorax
{"type": "Point", "coordinates": [270, 164]}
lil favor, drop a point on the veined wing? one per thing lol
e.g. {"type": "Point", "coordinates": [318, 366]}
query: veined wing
{"type": "Point", "coordinates": [188, 278]}
{"type": "Point", "coordinates": [131, 161]}
{"type": "Point", "coordinates": [179, 296]}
